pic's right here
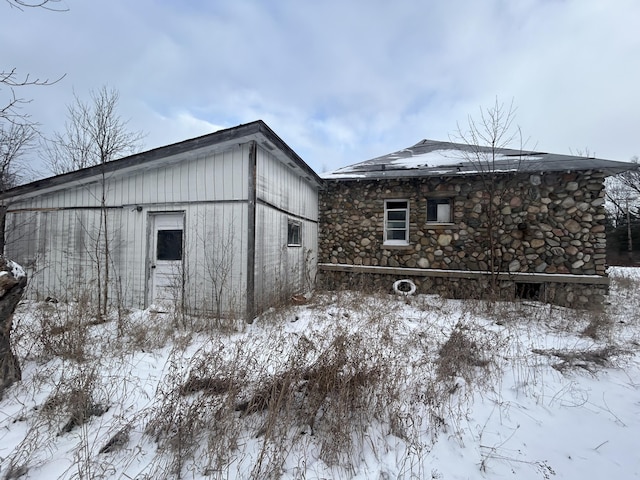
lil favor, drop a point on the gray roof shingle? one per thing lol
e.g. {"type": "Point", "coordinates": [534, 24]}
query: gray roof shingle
{"type": "Point", "coordinates": [433, 158]}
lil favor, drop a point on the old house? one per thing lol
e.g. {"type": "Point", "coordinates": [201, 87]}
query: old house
{"type": "Point", "coordinates": [223, 223]}
{"type": "Point", "coordinates": [464, 220]}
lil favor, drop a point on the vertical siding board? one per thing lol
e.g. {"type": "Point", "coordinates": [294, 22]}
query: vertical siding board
{"type": "Point", "coordinates": [201, 179]}
{"type": "Point", "coordinates": [186, 192]}
{"type": "Point", "coordinates": [216, 177]}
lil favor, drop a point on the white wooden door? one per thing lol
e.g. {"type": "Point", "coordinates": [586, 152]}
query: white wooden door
{"type": "Point", "coordinates": [166, 260]}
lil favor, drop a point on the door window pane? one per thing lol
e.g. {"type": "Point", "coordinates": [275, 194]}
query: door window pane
{"type": "Point", "coordinates": [169, 245]}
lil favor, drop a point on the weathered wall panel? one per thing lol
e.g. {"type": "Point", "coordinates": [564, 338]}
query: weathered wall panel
{"type": "Point", "coordinates": [283, 195]}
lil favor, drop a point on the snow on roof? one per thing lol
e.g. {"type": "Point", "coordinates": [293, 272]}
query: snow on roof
{"type": "Point", "coordinates": [446, 158]}
{"type": "Point", "coordinates": [433, 158]}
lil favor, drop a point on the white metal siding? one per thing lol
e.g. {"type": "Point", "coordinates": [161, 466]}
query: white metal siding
{"type": "Point", "coordinates": [216, 249]}
{"type": "Point", "coordinates": [283, 194]}
{"type": "Point", "coordinates": [57, 235]}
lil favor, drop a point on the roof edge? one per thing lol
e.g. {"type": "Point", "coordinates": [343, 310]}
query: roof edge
{"type": "Point", "coordinates": [203, 141]}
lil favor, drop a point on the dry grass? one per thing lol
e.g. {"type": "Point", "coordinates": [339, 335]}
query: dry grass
{"type": "Point", "coordinates": [252, 402]}
{"type": "Point", "coordinates": [590, 360]}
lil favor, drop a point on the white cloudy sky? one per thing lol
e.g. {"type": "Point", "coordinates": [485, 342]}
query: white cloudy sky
{"type": "Point", "coordinates": [341, 80]}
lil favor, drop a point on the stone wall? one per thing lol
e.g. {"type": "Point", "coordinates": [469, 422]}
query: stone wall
{"type": "Point", "coordinates": [551, 223]}
{"type": "Point", "coordinates": [566, 294]}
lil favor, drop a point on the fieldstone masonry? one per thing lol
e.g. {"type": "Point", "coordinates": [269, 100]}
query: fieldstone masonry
{"type": "Point", "coordinates": [551, 223]}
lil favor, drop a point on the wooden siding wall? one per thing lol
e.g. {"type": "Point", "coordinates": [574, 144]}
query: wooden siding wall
{"type": "Point", "coordinates": [283, 194]}
{"type": "Point", "coordinates": [54, 235]}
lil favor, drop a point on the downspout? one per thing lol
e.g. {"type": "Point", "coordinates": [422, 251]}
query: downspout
{"type": "Point", "coordinates": [251, 232]}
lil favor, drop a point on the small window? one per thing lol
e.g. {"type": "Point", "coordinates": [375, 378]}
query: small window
{"type": "Point", "coordinates": [528, 291]}
{"type": "Point", "coordinates": [169, 245]}
{"type": "Point", "coordinates": [294, 234]}
{"type": "Point", "coordinates": [396, 222]}
{"type": "Point", "coordinates": [439, 210]}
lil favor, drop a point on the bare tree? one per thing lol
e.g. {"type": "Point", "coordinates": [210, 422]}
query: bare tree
{"type": "Point", "coordinates": [623, 193]}
{"type": "Point", "coordinates": [16, 139]}
{"type": "Point", "coordinates": [485, 136]}
{"type": "Point", "coordinates": [94, 134]}
{"type": "Point", "coordinates": [631, 178]}
{"type": "Point", "coordinates": [16, 135]}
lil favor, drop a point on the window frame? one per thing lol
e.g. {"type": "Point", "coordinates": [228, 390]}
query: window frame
{"type": "Point", "coordinates": [439, 201]}
{"type": "Point", "coordinates": [292, 226]}
{"type": "Point", "coordinates": [395, 241]}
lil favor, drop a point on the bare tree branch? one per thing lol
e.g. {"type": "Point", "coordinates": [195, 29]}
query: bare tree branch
{"type": "Point", "coordinates": [485, 136]}
{"type": "Point", "coordinates": [631, 178]}
{"type": "Point", "coordinates": [94, 134]}
{"type": "Point", "coordinates": [16, 139]}
{"type": "Point", "coordinates": [11, 80]}
{"type": "Point", "coordinates": [46, 4]}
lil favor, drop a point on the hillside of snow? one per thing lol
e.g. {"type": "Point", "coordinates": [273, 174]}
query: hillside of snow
{"type": "Point", "coordinates": [347, 386]}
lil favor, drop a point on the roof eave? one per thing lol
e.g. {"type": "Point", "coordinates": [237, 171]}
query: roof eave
{"type": "Point", "coordinates": [257, 130]}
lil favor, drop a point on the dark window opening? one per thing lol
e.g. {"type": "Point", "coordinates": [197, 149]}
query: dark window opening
{"type": "Point", "coordinates": [528, 291]}
{"type": "Point", "coordinates": [439, 210]}
{"type": "Point", "coordinates": [169, 245]}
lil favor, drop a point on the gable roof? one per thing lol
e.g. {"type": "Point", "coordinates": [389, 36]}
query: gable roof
{"type": "Point", "coordinates": [213, 142]}
{"type": "Point", "coordinates": [433, 158]}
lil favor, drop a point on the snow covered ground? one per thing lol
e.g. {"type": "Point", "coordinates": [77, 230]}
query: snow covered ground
{"type": "Point", "coordinates": [346, 386]}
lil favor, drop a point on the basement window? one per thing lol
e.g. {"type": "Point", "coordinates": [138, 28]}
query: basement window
{"type": "Point", "coordinates": [528, 291]}
{"type": "Point", "coordinates": [294, 234]}
{"type": "Point", "coordinates": [396, 222]}
{"type": "Point", "coordinates": [439, 210]}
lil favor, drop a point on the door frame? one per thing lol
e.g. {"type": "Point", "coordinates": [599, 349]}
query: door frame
{"type": "Point", "coordinates": [150, 258]}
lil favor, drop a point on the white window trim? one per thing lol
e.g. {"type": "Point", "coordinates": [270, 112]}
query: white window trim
{"type": "Point", "coordinates": [396, 242]}
{"type": "Point", "coordinates": [437, 222]}
{"type": "Point", "coordinates": [299, 225]}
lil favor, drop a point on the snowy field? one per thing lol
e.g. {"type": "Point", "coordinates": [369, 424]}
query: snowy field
{"type": "Point", "coordinates": [346, 386]}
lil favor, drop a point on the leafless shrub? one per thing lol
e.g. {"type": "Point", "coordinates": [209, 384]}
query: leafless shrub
{"type": "Point", "coordinates": [73, 402]}
{"type": "Point", "coordinates": [15, 471]}
{"type": "Point", "coordinates": [321, 390]}
{"type": "Point", "coordinates": [62, 330]}
{"type": "Point", "coordinates": [198, 410]}
{"type": "Point", "coordinates": [117, 441]}
{"type": "Point", "coordinates": [146, 330]}
{"type": "Point", "coordinates": [599, 327]}
{"type": "Point", "coordinates": [461, 355]}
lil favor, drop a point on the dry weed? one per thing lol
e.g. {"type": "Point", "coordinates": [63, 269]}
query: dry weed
{"type": "Point", "coordinates": [590, 360]}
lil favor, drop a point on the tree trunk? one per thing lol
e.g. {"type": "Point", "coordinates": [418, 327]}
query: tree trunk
{"type": "Point", "coordinates": [12, 283]}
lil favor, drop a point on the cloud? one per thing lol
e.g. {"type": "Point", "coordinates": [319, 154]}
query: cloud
{"type": "Point", "coordinates": [341, 82]}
